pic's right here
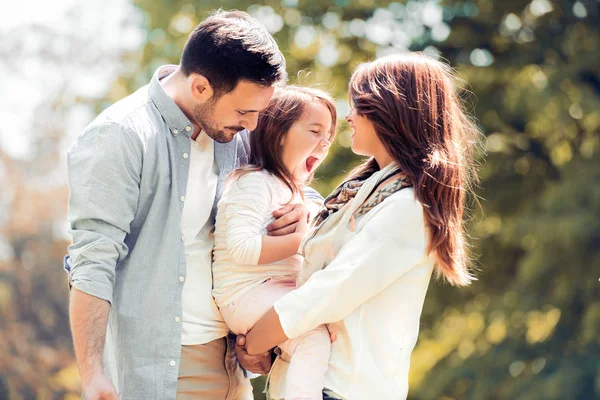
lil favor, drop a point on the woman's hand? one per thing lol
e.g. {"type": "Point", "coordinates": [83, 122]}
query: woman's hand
{"type": "Point", "coordinates": [258, 364]}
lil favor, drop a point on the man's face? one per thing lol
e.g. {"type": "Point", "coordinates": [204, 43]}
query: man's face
{"type": "Point", "coordinates": [232, 112]}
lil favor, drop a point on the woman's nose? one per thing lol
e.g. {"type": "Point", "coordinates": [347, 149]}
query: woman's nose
{"type": "Point", "coordinates": [350, 115]}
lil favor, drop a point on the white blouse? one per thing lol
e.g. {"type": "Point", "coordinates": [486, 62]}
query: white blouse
{"type": "Point", "coordinates": [371, 295]}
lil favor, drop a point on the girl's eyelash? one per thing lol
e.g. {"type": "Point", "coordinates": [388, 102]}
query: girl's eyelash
{"type": "Point", "coordinates": [241, 112]}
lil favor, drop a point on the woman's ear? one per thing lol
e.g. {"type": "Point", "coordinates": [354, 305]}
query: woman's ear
{"type": "Point", "coordinates": [200, 88]}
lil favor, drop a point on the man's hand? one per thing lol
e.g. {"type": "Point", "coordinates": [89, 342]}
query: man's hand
{"type": "Point", "coordinates": [99, 387]}
{"type": "Point", "coordinates": [259, 364]}
{"type": "Point", "coordinates": [287, 219]}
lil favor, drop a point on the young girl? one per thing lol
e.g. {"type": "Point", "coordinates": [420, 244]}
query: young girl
{"type": "Point", "coordinates": [251, 269]}
{"type": "Point", "coordinates": [399, 217]}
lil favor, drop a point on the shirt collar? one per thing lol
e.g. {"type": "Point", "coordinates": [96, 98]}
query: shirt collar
{"type": "Point", "coordinates": [176, 120]}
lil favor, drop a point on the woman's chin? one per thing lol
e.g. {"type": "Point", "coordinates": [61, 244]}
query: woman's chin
{"type": "Point", "coordinates": [358, 151]}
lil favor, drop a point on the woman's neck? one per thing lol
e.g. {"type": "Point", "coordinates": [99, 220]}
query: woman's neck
{"type": "Point", "coordinates": [383, 160]}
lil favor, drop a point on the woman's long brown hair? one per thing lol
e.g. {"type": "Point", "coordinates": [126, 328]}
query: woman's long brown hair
{"type": "Point", "coordinates": [285, 108]}
{"type": "Point", "coordinates": [418, 116]}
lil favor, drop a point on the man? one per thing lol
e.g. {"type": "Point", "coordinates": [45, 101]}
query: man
{"type": "Point", "coordinates": [145, 178]}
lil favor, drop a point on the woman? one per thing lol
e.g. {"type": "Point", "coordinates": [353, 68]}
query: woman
{"type": "Point", "coordinates": [381, 234]}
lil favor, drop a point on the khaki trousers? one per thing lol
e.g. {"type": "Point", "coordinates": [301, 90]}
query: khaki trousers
{"type": "Point", "coordinates": [210, 371]}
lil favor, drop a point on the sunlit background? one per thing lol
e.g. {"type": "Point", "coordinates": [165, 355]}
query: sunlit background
{"type": "Point", "coordinates": [528, 329]}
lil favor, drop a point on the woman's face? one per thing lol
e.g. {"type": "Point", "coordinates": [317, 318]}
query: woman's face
{"type": "Point", "coordinates": [306, 144]}
{"type": "Point", "coordinates": [365, 141]}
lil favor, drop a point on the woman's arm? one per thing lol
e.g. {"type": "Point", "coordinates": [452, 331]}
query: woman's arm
{"type": "Point", "coordinates": [391, 244]}
{"type": "Point", "coordinates": [266, 334]}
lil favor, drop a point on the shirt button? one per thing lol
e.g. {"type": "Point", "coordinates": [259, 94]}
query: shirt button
{"type": "Point", "coordinates": [188, 128]}
{"type": "Point", "coordinates": [185, 155]}
{"type": "Point", "coordinates": [175, 131]}
{"type": "Point", "coordinates": [177, 319]}
{"type": "Point", "coordinates": [182, 198]}
{"type": "Point", "coordinates": [181, 278]}
{"type": "Point", "coordinates": [182, 238]}
{"type": "Point", "coordinates": [172, 363]}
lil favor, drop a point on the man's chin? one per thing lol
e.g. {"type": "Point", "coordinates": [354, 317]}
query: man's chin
{"type": "Point", "coordinates": [223, 136]}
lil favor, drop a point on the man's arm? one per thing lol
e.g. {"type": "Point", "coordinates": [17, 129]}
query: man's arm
{"type": "Point", "coordinates": [89, 316]}
{"type": "Point", "coordinates": [104, 174]}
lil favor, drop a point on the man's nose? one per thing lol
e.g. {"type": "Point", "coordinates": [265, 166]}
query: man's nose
{"type": "Point", "coordinates": [250, 121]}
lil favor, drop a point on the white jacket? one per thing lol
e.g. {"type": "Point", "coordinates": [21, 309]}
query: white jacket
{"type": "Point", "coordinates": [371, 294]}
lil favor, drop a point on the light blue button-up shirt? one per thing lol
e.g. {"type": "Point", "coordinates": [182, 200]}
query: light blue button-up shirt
{"type": "Point", "coordinates": [128, 183]}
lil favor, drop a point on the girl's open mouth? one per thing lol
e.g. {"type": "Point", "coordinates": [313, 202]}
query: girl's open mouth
{"type": "Point", "coordinates": [310, 163]}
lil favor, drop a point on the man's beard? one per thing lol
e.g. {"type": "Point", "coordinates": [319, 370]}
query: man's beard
{"type": "Point", "coordinates": [204, 116]}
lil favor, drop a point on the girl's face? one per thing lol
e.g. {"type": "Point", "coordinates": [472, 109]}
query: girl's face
{"type": "Point", "coordinates": [306, 144]}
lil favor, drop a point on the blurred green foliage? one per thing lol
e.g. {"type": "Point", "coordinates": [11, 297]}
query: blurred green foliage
{"type": "Point", "coordinates": [529, 328]}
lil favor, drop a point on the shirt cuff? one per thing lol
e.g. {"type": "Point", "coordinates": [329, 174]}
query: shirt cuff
{"type": "Point", "coordinates": [93, 279]}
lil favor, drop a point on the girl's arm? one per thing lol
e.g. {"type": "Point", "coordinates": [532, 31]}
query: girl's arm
{"type": "Point", "coordinates": [275, 248]}
{"type": "Point", "coordinates": [392, 243]}
{"type": "Point", "coordinates": [245, 206]}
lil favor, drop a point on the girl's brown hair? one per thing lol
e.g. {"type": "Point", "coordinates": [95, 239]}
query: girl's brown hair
{"type": "Point", "coordinates": [418, 116]}
{"type": "Point", "coordinates": [287, 106]}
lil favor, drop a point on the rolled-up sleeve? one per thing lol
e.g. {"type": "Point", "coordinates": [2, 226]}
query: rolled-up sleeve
{"type": "Point", "coordinates": [104, 168]}
{"type": "Point", "coordinates": [247, 203]}
{"type": "Point", "coordinates": [311, 194]}
{"type": "Point", "coordinates": [390, 244]}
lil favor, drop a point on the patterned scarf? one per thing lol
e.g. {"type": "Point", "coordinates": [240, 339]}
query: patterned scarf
{"type": "Point", "coordinates": [347, 191]}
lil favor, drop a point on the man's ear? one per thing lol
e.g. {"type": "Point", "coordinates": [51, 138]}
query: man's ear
{"type": "Point", "coordinates": [200, 88]}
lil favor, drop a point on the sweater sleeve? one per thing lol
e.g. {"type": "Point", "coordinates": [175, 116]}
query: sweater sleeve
{"type": "Point", "coordinates": [246, 207]}
{"type": "Point", "coordinates": [390, 244]}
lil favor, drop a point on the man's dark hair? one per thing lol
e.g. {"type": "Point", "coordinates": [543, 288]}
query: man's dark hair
{"type": "Point", "coordinates": [230, 46]}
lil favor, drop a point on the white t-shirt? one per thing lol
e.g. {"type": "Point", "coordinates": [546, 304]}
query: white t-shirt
{"type": "Point", "coordinates": [201, 319]}
{"type": "Point", "coordinates": [243, 214]}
